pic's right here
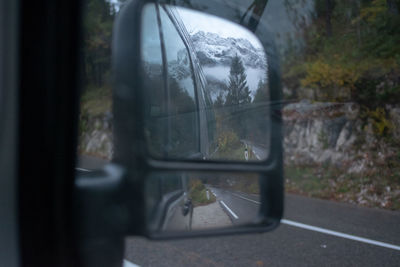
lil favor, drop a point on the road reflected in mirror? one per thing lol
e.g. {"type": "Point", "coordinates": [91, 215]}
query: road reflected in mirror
{"type": "Point", "coordinates": [205, 89]}
{"type": "Point", "coordinates": [192, 201]}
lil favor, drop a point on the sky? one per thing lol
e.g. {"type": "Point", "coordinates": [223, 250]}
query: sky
{"type": "Point", "coordinates": [276, 17]}
{"type": "Point", "coordinates": [197, 21]}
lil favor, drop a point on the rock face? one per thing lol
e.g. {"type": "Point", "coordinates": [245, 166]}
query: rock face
{"type": "Point", "coordinates": [333, 133]}
{"type": "Point", "coordinates": [394, 112]}
{"type": "Point", "coordinates": [96, 138]}
{"type": "Point", "coordinates": [314, 133]}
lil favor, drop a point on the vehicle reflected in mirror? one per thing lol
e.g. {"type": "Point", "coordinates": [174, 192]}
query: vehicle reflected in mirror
{"type": "Point", "coordinates": [205, 87]}
{"type": "Point", "coordinates": [200, 201]}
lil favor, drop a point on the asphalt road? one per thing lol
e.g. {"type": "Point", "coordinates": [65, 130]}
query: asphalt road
{"type": "Point", "coordinates": [260, 152]}
{"type": "Point", "coordinates": [89, 163]}
{"type": "Point", "coordinates": [289, 245]}
{"type": "Point", "coordinates": [241, 208]}
{"type": "Point", "coordinates": [286, 246]}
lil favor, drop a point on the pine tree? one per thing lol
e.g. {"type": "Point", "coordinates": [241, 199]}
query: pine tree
{"type": "Point", "coordinates": [98, 24]}
{"type": "Point", "coordinates": [258, 122]}
{"type": "Point", "coordinates": [238, 91]}
{"type": "Point", "coordinates": [262, 92]}
{"type": "Point", "coordinates": [237, 98]}
{"type": "Point", "coordinates": [219, 102]}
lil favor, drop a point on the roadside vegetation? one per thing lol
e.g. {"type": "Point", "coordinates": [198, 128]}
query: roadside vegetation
{"type": "Point", "coordinates": [380, 189]}
{"type": "Point", "coordinates": [95, 125]}
{"type": "Point", "coordinates": [247, 183]}
{"type": "Point", "coordinates": [349, 52]}
{"type": "Point", "coordinates": [198, 193]}
{"type": "Point", "coordinates": [243, 182]}
{"type": "Point", "coordinates": [231, 148]}
{"type": "Point", "coordinates": [96, 69]}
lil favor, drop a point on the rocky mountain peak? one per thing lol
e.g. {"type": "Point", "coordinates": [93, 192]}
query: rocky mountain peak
{"type": "Point", "coordinates": [212, 49]}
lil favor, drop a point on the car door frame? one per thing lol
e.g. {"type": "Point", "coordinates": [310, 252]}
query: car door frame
{"type": "Point", "coordinates": [49, 41]}
{"type": "Point", "coordinates": [179, 196]}
{"type": "Point", "coordinates": [9, 243]}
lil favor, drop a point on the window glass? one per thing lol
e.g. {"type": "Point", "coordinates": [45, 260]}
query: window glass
{"type": "Point", "coordinates": [171, 183]}
{"type": "Point", "coordinates": [183, 131]}
{"type": "Point", "coordinates": [156, 116]}
{"type": "Point", "coordinates": [151, 52]}
{"type": "Point", "coordinates": [153, 194]}
{"type": "Point", "coordinates": [96, 123]}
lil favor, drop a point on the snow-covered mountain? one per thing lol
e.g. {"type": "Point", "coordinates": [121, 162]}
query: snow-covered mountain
{"type": "Point", "coordinates": [215, 54]}
{"type": "Point", "coordinates": [213, 50]}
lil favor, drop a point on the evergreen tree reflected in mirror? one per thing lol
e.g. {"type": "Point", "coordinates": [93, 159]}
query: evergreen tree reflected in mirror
{"type": "Point", "coordinates": [239, 92]}
{"type": "Point", "coordinates": [202, 99]}
{"type": "Point", "coordinates": [242, 121]}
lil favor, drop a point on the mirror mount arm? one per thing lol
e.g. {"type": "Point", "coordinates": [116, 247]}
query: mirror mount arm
{"type": "Point", "coordinates": [258, 7]}
{"type": "Point", "coordinates": [104, 215]}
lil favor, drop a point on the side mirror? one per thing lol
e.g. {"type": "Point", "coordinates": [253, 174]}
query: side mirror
{"type": "Point", "coordinates": [197, 121]}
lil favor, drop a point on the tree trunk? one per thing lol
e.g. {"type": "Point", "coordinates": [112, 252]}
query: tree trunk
{"type": "Point", "coordinates": [392, 7]}
{"type": "Point", "coordinates": [328, 17]}
{"type": "Point", "coordinates": [358, 4]}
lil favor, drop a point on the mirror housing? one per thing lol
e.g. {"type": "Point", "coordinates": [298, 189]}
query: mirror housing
{"type": "Point", "coordinates": [130, 150]}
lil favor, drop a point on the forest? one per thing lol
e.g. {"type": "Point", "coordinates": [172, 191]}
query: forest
{"type": "Point", "coordinates": [348, 51]}
{"type": "Point", "coordinates": [345, 50]}
{"type": "Point", "coordinates": [342, 54]}
{"type": "Point", "coordinates": [342, 68]}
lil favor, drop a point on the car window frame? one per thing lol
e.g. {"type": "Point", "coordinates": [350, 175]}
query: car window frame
{"type": "Point", "coordinates": [178, 30]}
{"type": "Point", "coordinates": [9, 95]}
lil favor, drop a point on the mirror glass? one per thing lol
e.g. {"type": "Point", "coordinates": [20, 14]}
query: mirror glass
{"type": "Point", "coordinates": [205, 87]}
{"type": "Point", "coordinates": [200, 201]}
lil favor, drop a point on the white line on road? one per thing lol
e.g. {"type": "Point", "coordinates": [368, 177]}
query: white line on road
{"type": "Point", "coordinates": [245, 198]}
{"type": "Point", "coordinates": [213, 192]}
{"type": "Point", "coordinates": [233, 214]}
{"type": "Point", "coordinates": [129, 264]}
{"type": "Point", "coordinates": [330, 232]}
{"type": "Point", "coordinates": [257, 156]}
{"type": "Point", "coordinates": [339, 234]}
{"type": "Point", "coordinates": [82, 169]}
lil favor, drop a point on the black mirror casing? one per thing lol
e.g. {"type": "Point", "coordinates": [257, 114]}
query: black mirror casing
{"type": "Point", "coordinates": [129, 141]}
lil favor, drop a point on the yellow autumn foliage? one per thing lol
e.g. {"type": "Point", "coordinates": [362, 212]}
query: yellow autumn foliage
{"type": "Point", "coordinates": [372, 11]}
{"type": "Point", "coordinates": [321, 74]}
{"type": "Point", "coordinates": [228, 140]}
{"type": "Point", "coordinates": [380, 123]}
{"type": "Point", "coordinates": [333, 80]}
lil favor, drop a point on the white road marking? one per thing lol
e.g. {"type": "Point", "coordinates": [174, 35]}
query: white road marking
{"type": "Point", "coordinates": [129, 264]}
{"type": "Point", "coordinates": [82, 169]}
{"type": "Point", "coordinates": [233, 214]}
{"type": "Point", "coordinates": [212, 191]}
{"type": "Point", "coordinates": [257, 156]}
{"type": "Point", "coordinates": [339, 234]}
{"type": "Point", "coordinates": [245, 198]}
{"type": "Point", "coordinates": [331, 232]}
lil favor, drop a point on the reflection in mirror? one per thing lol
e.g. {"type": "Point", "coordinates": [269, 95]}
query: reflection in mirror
{"type": "Point", "coordinates": [205, 87]}
{"type": "Point", "coordinates": [193, 201]}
